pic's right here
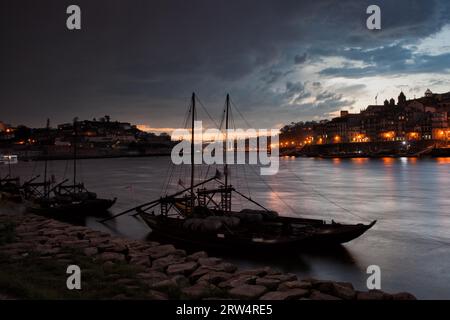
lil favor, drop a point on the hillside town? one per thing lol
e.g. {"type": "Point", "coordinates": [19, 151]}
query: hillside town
{"type": "Point", "coordinates": [95, 138]}
{"type": "Point", "coordinates": [426, 118]}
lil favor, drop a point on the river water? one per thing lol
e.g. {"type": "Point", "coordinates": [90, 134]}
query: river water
{"type": "Point", "coordinates": [409, 197]}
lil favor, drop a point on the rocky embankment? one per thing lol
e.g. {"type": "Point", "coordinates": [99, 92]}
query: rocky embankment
{"type": "Point", "coordinates": [160, 270]}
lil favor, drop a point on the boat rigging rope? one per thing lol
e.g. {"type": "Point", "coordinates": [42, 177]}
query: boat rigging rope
{"type": "Point", "coordinates": [66, 169]}
{"type": "Point", "coordinates": [300, 179]}
{"type": "Point", "coordinates": [324, 196]}
{"type": "Point", "coordinates": [172, 168]}
{"type": "Point", "coordinates": [206, 111]}
{"type": "Point", "coordinates": [272, 190]}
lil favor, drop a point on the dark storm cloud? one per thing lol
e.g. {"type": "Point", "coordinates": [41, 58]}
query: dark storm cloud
{"type": "Point", "coordinates": [141, 59]}
{"type": "Point", "coordinates": [300, 58]}
{"type": "Point", "coordinates": [390, 59]}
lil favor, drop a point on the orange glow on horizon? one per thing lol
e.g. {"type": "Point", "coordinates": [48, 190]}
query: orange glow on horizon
{"type": "Point", "coordinates": [442, 160]}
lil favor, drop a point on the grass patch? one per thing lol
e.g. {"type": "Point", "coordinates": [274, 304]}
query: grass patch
{"type": "Point", "coordinates": [36, 278]}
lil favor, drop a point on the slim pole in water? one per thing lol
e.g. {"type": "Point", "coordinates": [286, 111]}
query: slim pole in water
{"type": "Point", "coordinates": [9, 165]}
{"type": "Point", "coordinates": [226, 150]}
{"type": "Point", "coordinates": [192, 149]}
{"type": "Point", "coordinates": [45, 162]}
{"type": "Point", "coordinates": [74, 154]}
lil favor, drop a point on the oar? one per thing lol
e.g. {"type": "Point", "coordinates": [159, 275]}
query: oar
{"type": "Point", "coordinates": [31, 180]}
{"type": "Point", "coordinates": [129, 210]}
{"type": "Point", "coordinates": [153, 205]}
{"type": "Point", "coordinates": [54, 188]}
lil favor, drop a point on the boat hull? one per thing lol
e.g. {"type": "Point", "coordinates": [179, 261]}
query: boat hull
{"type": "Point", "coordinates": [94, 207]}
{"type": "Point", "coordinates": [318, 236]}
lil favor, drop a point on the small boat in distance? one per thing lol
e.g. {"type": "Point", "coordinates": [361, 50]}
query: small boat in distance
{"type": "Point", "coordinates": [201, 215]}
{"type": "Point", "coordinates": [9, 185]}
{"type": "Point", "coordinates": [10, 189]}
{"type": "Point", "coordinates": [64, 200]}
{"type": "Point", "coordinates": [9, 159]}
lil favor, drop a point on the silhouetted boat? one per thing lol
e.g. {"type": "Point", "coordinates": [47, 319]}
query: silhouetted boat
{"type": "Point", "coordinates": [10, 189]}
{"type": "Point", "coordinates": [196, 217]}
{"type": "Point", "coordinates": [65, 200]}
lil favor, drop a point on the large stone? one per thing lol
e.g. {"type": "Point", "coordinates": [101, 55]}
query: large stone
{"type": "Point", "coordinates": [199, 291]}
{"type": "Point", "coordinates": [346, 284]}
{"type": "Point", "coordinates": [209, 261]}
{"type": "Point", "coordinates": [291, 294]}
{"type": "Point", "coordinates": [108, 264]}
{"type": "Point", "coordinates": [283, 277]}
{"type": "Point", "coordinates": [161, 251]}
{"type": "Point", "coordinates": [182, 268]}
{"type": "Point", "coordinates": [139, 260]}
{"type": "Point", "coordinates": [90, 251]}
{"type": "Point", "coordinates": [269, 283]}
{"type": "Point", "coordinates": [247, 291]}
{"type": "Point", "coordinates": [179, 252]}
{"type": "Point", "coordinates": [224, 266]}
{"type": "Point", "coordinates": [237, 281]}
{"type": "Point", "coordinates": [173, 284]}
{"type": "Point", "coordinates": [200, 272]}
{"type": "Point", "coordinates": [152, 277]}
{"type": "Point", "coordinates": [296, 284]}
{"type": "Point", "coordinates": [98, 241]}
{"type": "Point", "coordinates": [403, 296]}
{"type": "Point", "coordinates": [157, 295]}
{"type": "Point", "coordinates": [125, 281]}
{"type": "Point", "coordinates": [168, 285]}
{"type": "Point", "coordinates": [317, 295]}
{"type": "Point", "coordinates": [164, 262]}
{"type": "Point", "coordinates": [76, 244]}
{"type": "Point", "coordinates": [197, 255]}
{"type": "Point", "coordinates": [112, 256]}
{"type": "Point", "coordinates": [261, 272]}
{"type": "Point", "coordinates": [48, 251]}
{"type": "Point", "coordinates": [215, 277]}
{"type": "Point", "coordinates": [182, 281]}
{"type": "Point", "coordinates": [345, 291]}
{"type": "Point", "coordinates": [370, 295]}
{"type": "Point", "coordinates": [118, 246]}
{"type": "Point", "coordinates": [53, 233]}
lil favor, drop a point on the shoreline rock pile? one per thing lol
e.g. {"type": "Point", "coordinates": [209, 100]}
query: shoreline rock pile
{"type": "Point", "coordinates": [168, 271]}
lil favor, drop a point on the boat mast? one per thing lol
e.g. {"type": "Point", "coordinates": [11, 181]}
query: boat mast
{"type": "Point", "coordinates": [9, 165]}
{"type": "Point", "coordinates": [192, 149]}
{"type": "Point", "coordinates": [226, 199]}
{"type": "Point", "coordinates": [46, 156]}
{"type": "Point", "coordinates": [74, 154]}
{"type": "Point", "coordinates": [226, 141]}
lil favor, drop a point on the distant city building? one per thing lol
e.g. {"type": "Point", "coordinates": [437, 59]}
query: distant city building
{"type": "Point", "coordinates": [102, 133]}
{"type": "Point", "coordinates": [426, 118]}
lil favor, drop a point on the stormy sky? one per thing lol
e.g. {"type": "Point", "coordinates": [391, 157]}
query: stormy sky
{"type": "Point", "coordinates": [280, 60]}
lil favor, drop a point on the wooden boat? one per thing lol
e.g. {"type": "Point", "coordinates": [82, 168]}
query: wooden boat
{"type": "Point", "coordinates": [10, 186]}
{"type": "Point", "coordinates": [278, 233]}
{"type": "Point", "coordinates": [65, 200]}
{"type": "Point", "coordinates": [203, 217]}
{"type": "Point", "coordinates": [10, 189]}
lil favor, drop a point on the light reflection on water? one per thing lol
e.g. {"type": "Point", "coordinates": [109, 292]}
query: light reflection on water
{"type": "Point", "coordinates": [409, 197]}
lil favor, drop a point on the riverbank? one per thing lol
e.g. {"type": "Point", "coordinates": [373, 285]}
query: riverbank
{"type": "Point", "coordinates": [382, 149]}
{"type": "Point", "coordinates": [35, 253]}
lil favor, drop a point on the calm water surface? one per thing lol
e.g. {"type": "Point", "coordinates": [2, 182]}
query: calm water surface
{"type": "Point", "coordinates": [410, 198]}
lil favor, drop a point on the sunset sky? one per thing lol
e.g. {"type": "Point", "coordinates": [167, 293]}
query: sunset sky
{"type": "Point", "coordinates": [281, 60]}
